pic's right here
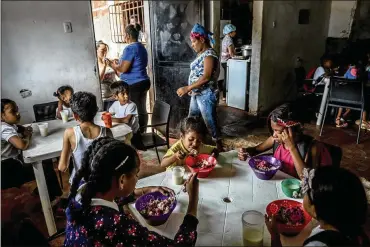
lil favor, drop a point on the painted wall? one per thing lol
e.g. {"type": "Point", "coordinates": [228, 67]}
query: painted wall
{"type": "Point", "coordinates": [341, 18]}
{"type": "Point", "coordinates": [38, 55]}
{"type": "Point", "coordinates": [282, 43]}
{"type": "Point", "coordinates": [361, 29]}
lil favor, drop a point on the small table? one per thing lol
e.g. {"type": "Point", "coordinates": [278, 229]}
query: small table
{"type": "Point", "coordinates": [43, 148]}
{"type": "Point", "coordinates": [219, 222]}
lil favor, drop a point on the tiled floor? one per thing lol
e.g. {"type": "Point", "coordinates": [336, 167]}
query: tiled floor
{"type": "Point", "coordinates": [248, 133]}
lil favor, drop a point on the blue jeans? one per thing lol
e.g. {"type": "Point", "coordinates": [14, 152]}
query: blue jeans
{"type": "Point", "coordinates": [204, 104]}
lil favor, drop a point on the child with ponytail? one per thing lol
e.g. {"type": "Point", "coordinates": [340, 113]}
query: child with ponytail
{"type": "Point", "coordinates": [109, 170]}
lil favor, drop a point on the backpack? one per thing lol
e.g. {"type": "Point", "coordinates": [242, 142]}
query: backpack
{"type": "Point", "coordinates": [335, 238]}
{"type": "Point", "coordinates": [311, 73]}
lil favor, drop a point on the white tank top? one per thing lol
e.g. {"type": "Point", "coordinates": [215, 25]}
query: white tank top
{"type": "Point", "coordinates": [82, 144]}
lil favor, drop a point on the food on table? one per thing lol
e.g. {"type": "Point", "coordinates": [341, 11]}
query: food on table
{"type": "Point", "coordinates": [263, 165]}
{"type": "Point", "coordinates": [203, 164]}
{"type": "Point", "coordinates": [291, 216]}
{"type": "Point", "coordinates": [157, 207]}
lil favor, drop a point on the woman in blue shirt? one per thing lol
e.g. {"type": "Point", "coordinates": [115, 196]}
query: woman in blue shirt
{"type": "Point", "coordinates": [132, 68]}
{"type": "Point", "coordinates": [202, 83]}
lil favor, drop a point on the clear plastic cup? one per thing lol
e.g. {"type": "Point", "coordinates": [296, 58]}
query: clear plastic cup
{"type": "Point", "coordinates": [44, 129]}
{"type": "Point", "coordinates": [64, 114]}
{"type": "Point", "coordinates": [253, 225]}
{"type": "Point", "coordinates": [178, 173]}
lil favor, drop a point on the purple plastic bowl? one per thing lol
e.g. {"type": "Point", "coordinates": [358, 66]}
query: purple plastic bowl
{"type": "Point", "coordinates": [142, 202]}
{"type": "Point", "coordinates": [265, 175]}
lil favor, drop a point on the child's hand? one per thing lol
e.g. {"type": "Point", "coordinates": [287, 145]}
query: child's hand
{"type": "Point", "coordinates": [271, 225]}
{"type": "Point", "coordinates": [180, 155]}
{"type": "Point", "coordinates": [215, 153]}
{"type": "Point", "coordinates": [193, 152]}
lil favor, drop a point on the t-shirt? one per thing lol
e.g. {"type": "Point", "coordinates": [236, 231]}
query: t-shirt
{"type": "Point", "coordinates": [226, 43]}
{"type": "Point", "coordinates": [319, 72]}
{"type": "Point", "coordinates": [8, 151]}
{"type": "Point", "coordinates": [179, 146]}
{"type": "Point", "coordinates": [197, 70]}
{"type": "Point", "coordinates": [138, 56]}
{"type": "Point", "coordinates": [351, 73]}
{"type": "Point", "coordinates": [121, 111]}
{"type": "Point", "coordinates": [315, 231]}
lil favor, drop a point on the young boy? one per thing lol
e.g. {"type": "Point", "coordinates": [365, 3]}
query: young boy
{"type": "Point", "coordinates": [76, 140]}
{"type": "Point", "coordinates": [125, 111]}
{"type": "Point", "coordinates": [15, 138]}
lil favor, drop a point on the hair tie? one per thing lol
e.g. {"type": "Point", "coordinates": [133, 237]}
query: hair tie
{"type": "Point", "coordinates": [122, 163]}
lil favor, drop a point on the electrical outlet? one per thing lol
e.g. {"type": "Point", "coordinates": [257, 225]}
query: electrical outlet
{"type": "Point", "coordinates": [67, 27]}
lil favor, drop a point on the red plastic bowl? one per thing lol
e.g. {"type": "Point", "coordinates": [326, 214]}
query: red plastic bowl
{"type": "Point", "coordinates": [284, 229]}
{"type": "Point", "coordinates": [202, 173]}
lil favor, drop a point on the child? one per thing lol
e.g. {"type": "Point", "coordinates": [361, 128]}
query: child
{"type": "Point", "coordinates": [124, 110]}
{"type": "Point", "coordinates": [295, 150]}
{"type": "Point", "coordinates": [192, 131]}
{"type": "Point", "coordinates": [15, 138]}
{"type": "Point", "coordinates": [76, 140]}
{"type": "Point", "coordinates": [64, 94]}
{"type": "Point", "coordinates": [336, 198]}
{"type": "Point", "coordinates": [110, 168]}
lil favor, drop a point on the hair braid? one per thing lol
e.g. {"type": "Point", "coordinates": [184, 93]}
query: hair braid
{"type": "Point", "coordinates": [99, 168]}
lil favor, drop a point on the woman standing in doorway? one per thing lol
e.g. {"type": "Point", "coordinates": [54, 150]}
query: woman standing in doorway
{"type": "Point", "coordinates": [202, 83]}
{"type": "Point", "coordinates": [132, 68]}
{"type": "Point", "coordinates": [227, 52]}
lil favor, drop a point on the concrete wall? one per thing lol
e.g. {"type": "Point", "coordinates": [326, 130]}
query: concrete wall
{"type": "Point", "coordinates": [283, 42]}
{"type": "Point", "coordinates": [38, 55]}
{"type": "Point", "coordinates": [341, 18]}
{"type": "Point", "coordinates": [361, 29]}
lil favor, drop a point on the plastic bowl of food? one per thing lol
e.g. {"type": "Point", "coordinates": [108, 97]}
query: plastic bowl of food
{"type": "Point", "coordinates": [264, 166]}
{"type": "Point", "coordinates": [291, 186]}
{"type": "Point", "coordinates": [291, 217]}
{"type": "Point", "coordinates": [202, 164]}
{"type": "Point", "coordinates": [155, 207]}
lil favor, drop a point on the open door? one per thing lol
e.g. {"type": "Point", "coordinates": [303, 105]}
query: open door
{"type": "Point", "coordinates": [171, 23]}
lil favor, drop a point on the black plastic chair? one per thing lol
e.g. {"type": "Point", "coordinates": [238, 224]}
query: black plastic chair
{"type": "Point", "coordinates": [45, 111]}
{"type": "Point", "coordinates": [346, 94]}
{"type": "Point", "coordinates": [160, 124]}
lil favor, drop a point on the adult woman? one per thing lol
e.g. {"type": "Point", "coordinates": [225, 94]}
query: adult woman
{"type": "Point", "coordinates": [132, 68]}
{"type": "Point", "coordinates": [296, 150]}
{"type": "Point", "coordinates": [105, 71]}
{"type": "Point", "coordinates": [203, 81]}
{"type": "Point", "coordinates": [227, 51]}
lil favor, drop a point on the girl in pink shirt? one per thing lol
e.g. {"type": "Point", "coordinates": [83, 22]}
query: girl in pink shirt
{"type": "Point", "coordinates": [296, 150]}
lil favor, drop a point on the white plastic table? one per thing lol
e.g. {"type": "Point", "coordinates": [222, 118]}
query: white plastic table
{"type": "Point", "coordinates": [219, 222]}
{"type": "Point", "coordinates": [49, 147]}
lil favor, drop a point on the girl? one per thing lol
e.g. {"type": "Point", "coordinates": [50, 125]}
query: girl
{"type": "Point", "coordinates": [336, 198]}
{"type": "Point", "coordinates": [295, 150]}
{"type": "Point", "coordinates": [64, 94]}
{"type": "Point", "coordinates": [14, 139]}
{"type": "Point", "coordinates": [192, 133]}
{"type": "Point", "coordinates": [105, 71]}
{"type": "Point", "coordinates": [109, 170]}
{"type": "Point", "coordinates": [202, 83]}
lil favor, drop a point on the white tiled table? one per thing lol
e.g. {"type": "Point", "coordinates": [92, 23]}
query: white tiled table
{"type": "Point", "coordinates": [220, 222]}
{"type": "Point", "coordinates": [49, 147]}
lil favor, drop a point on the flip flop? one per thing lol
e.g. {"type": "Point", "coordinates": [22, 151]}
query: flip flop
{"type": "Point", "coordinates": [341, 124]}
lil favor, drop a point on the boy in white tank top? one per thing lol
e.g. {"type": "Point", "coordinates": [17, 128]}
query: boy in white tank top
{"type": "Point", "coordinates": [76, 140]}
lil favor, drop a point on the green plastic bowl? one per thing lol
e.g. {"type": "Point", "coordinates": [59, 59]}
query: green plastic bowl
{"type": "Point", "coordinates": [290, 185]}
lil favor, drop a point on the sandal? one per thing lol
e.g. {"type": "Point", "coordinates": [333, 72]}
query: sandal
{"type": "Point", "coordinates": [341, 123]}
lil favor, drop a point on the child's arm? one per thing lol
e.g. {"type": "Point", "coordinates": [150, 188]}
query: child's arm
{"type": "Point", "coordinates": [20, 143]}
{"type": "Point", "coordinates": [66, 151]}
{"type": "Point", "coordinates": [59, 109]}
{"type": "Point", "coordinates": [125, 120]}
{"type": "Point", "coordinates": [171, 159]}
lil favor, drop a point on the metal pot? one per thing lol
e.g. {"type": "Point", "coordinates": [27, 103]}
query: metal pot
{"type": "Point", "coordinates": [246, 50]}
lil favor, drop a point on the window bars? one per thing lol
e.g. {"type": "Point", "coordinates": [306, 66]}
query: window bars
{"type": "Point", "coordinates": [120, 15]}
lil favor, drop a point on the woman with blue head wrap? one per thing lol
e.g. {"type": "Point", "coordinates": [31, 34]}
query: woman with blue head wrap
{"type": "Point", "coordinates": [202, 82]}
{"type": "Point", "coordinates": [227, 51]}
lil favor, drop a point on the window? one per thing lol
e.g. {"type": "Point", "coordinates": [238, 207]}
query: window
{"type": "Point", "coordinates": [120, 15]}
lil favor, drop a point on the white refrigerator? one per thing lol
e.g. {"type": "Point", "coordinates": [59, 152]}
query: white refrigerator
{"type": "Point", "coordinates": [237, 83]}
